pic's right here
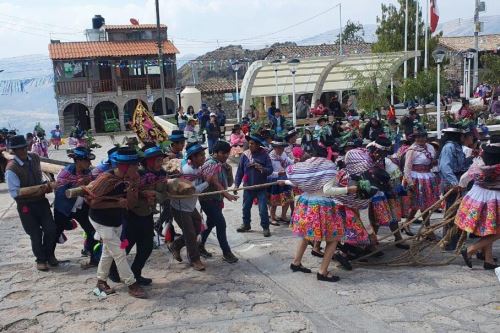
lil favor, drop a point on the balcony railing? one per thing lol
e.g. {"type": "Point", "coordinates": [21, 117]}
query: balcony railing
{"type": "Point", "coordinates": [98, 86]}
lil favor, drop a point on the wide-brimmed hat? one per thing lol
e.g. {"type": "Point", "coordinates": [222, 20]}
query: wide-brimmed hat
{"type": "Point", "coordinates": [17, 141]}
{"type": "Point", "coordinates": [81, 153]}
{"type": "Point", "coordinates": [125, 155]}
{"type": "Point", "coordinates": [193, 149]}
{"type": "Point", "coordinates": [153, 152]}
{"type": "Point", "coordinates": [255, 138]}
{"type": "Point", "coordinates": [290, 134]}
{"type": "Point", "coordinates": [177, 136]}
{"type": "Point", "coordinates": [493, 146]}
{"type": "Point", "coordinates": [279, 142]}
{"type": "Point", "coordinates": [454, 128]}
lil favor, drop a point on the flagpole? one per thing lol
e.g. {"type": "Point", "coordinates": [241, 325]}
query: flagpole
{"type": "Point", "coordinates": [416, 38]}
{"type": "Point", "coordinates": [405, 74]}
{"type": "Point", "coordinates": [426, 34]}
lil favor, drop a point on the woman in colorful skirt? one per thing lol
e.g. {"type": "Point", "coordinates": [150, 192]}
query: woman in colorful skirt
{"type": "Point", "coordinates": [237, 141]}
{"type": "Point", "coordinates": [421, 181]}
{"type": "Point", "coordinates": [316, 217]}
{"type": "Point", "coordinates": [479, 211]}
{"type": "Point", "coordinates": [279, 196]}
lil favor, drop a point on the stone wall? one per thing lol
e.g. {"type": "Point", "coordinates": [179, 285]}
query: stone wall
{"type": "Point", "coordinates": [212, 99]}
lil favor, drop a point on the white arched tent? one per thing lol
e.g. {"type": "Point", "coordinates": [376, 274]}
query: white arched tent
{"type": "Point", "coordinates": [318, 75]}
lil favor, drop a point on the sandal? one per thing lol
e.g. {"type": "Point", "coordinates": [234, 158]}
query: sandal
{"type": "Point", "coordinates": [274, 222]}
{"type": "Point", "coordinates": [299, 268]}
{"type": "Point", "coordinates": [317, 254]}
{"type": "Point", "coordinates": [466, 257]}
{"type": "Point", "coordinates": [327, 278]}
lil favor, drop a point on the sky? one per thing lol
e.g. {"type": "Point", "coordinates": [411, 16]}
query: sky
{"type": "Point", "coordinates": [195, 26]}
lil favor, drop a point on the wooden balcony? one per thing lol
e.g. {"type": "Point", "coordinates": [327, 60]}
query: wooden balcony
{"type": "Point", "coordinates": [99, 86]}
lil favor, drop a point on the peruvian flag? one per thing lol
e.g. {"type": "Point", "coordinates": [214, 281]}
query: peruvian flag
{"type": "Point", "coordinates": [434, 15]}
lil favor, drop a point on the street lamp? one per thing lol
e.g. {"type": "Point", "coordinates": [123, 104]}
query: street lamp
{"type": "Point", "coordinates": [438, 56]}
{"type": "Point", "coordinates": [469, 55]}
{"type": "Point", "coordinates": [293, 64]}
{"type": "Point", "coordinates": [236, 66]}
{"type": "Point", "coordinates": [275, 64]}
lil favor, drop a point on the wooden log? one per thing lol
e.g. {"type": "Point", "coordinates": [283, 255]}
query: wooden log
{"type": "Point", "coordinates": [45, 166]}
{"type": "Point", "coordinates": [30, 190]}
{"type": "Point", "coordinates": [176, 186]}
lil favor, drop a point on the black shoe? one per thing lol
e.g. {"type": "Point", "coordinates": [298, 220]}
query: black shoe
{"type": "Point", "coordinates": [229, 258]}
{"type": "Point", "coordinates": [322, 277]}
{"type": "Point", "coordinates": [403, 246]}
{"type": "Point", "coordinates": [53, 262]}
{"type": "Point", "coordinates": [86, 253]}
{"type": "Point", "coordinates": [408, 231]}
{"type": "Point", "coordinates": [489, 266]}
{"type": "Point", "coordinates": [299, 268]}
{"type": "Point", "coordinates": [266, 233]}
{"type": "Point", "coordinates": [466, 257]}
{"type": "Point", "coordinates": [204, 253]}
{"type": "Point", "coordinates": [317, 254]}
{"type": "Point", "coordinates": [417, 221]}
{"type": "Point", "coordinates": [379, 254]}
{"type": "Point", "coordinates": [244, 228]}
{"type": "Point", "coordinates": [143, 281]}
{"type": "Point", "coordinates": [343, 261]}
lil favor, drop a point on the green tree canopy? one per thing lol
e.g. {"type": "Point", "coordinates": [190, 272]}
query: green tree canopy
{"type": "Point", "coordinates": [391, 27]}
{"type": "Point", "coordinates": [491, 69]}
{"type": "Point", "coordinates": [352, 34]}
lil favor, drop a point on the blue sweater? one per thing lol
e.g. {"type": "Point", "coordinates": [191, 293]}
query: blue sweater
{"type": "Point", "coordinates": [253, 176]}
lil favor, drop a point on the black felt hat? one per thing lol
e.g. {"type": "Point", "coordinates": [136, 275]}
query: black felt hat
{"type": "Point", "coordinates": [18, 141]}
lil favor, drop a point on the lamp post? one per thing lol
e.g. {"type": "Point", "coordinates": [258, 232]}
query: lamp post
{"type": "Point", "coordinates": [469, 54]}
{"type": "Point", "coordinates": [293, 64]}
{"type": "Point", "coordinates": [275, 64]}
{"type": "Point", "coordinates": [236, 66]}
{"type": "Point", "coordinates": [438, 56]}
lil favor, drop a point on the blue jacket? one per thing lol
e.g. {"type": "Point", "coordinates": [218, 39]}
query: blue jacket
{"type": "Point", "coordinates": [274, 121]}
{"type": "Point", "coordinates": [63, 204]}
{"type": "Point", "coordinates": [253, 177]}
{"type": "Point", "coordinates": [452, 163]}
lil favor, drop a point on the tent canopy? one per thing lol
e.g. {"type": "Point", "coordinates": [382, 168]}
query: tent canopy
{"type": "Point", "coordinates": [318, 75]}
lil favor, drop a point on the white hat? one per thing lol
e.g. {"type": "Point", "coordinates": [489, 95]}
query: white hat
{"type": "Point", "coordinates": [212, 114]}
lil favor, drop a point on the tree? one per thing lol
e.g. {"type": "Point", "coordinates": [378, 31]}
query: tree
{"type": "Point", "coordinates": [371, 89]}
{"type": "Point", "coordinates": [391, 27]}
{"type": "Point", "coordinates": [491, 69]}
{"type": "Point", "coordinates": [352, 33]}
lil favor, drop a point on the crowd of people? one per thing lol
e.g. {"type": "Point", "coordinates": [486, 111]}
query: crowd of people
{"type": "Point", "coordinates": [323, 175]}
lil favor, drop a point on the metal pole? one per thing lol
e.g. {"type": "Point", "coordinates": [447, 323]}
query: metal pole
{"type": "Point", "coordinates": [426, 55]}
{"type": "Point", "coordinates": [405, 74]}
{"type": "Point", "coordinates": [237, 97]}
{"type": "Point", "coordinates": [392, 90]}
{"type": "Point", "coordinates": [160, 59]}
{"type": "Point", "coordinates": [476, 46]}
{"type": "Point", "coordinates": [468, 78]}
{"type": "Point", "coordinates": [294, 109]}
{"type": "Point", "coordinates": [416, 39]}
{"type": "Point", "coordinates": [465, 78]}
{"type": "Point", "coordinates": [438, 102]}
{"type": "Point", "coordinates": [341, 51]}
{"type": "Point", "coordinates": [276, 83]}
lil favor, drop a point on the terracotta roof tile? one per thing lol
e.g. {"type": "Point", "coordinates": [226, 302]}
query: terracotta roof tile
{"type": "Point", "coordinates": [89, 50]}
{"type": "Point", "coordinates": [217, 86]}
{"type": "Point", "coordinates": [486, 42]}
{"type": "Point", "coordinates": [131, 27]}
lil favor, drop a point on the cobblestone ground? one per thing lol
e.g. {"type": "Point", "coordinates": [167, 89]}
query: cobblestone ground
{"type": "Point", "coordinates": [258, 294]}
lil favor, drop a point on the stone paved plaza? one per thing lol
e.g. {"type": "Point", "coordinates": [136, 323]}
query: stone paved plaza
{"type": "Point", "coordinates": [257, 294]}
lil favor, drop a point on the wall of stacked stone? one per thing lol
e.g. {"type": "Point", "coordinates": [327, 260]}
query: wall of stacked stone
{"type": "Point", "coordinates": [212, 99]}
